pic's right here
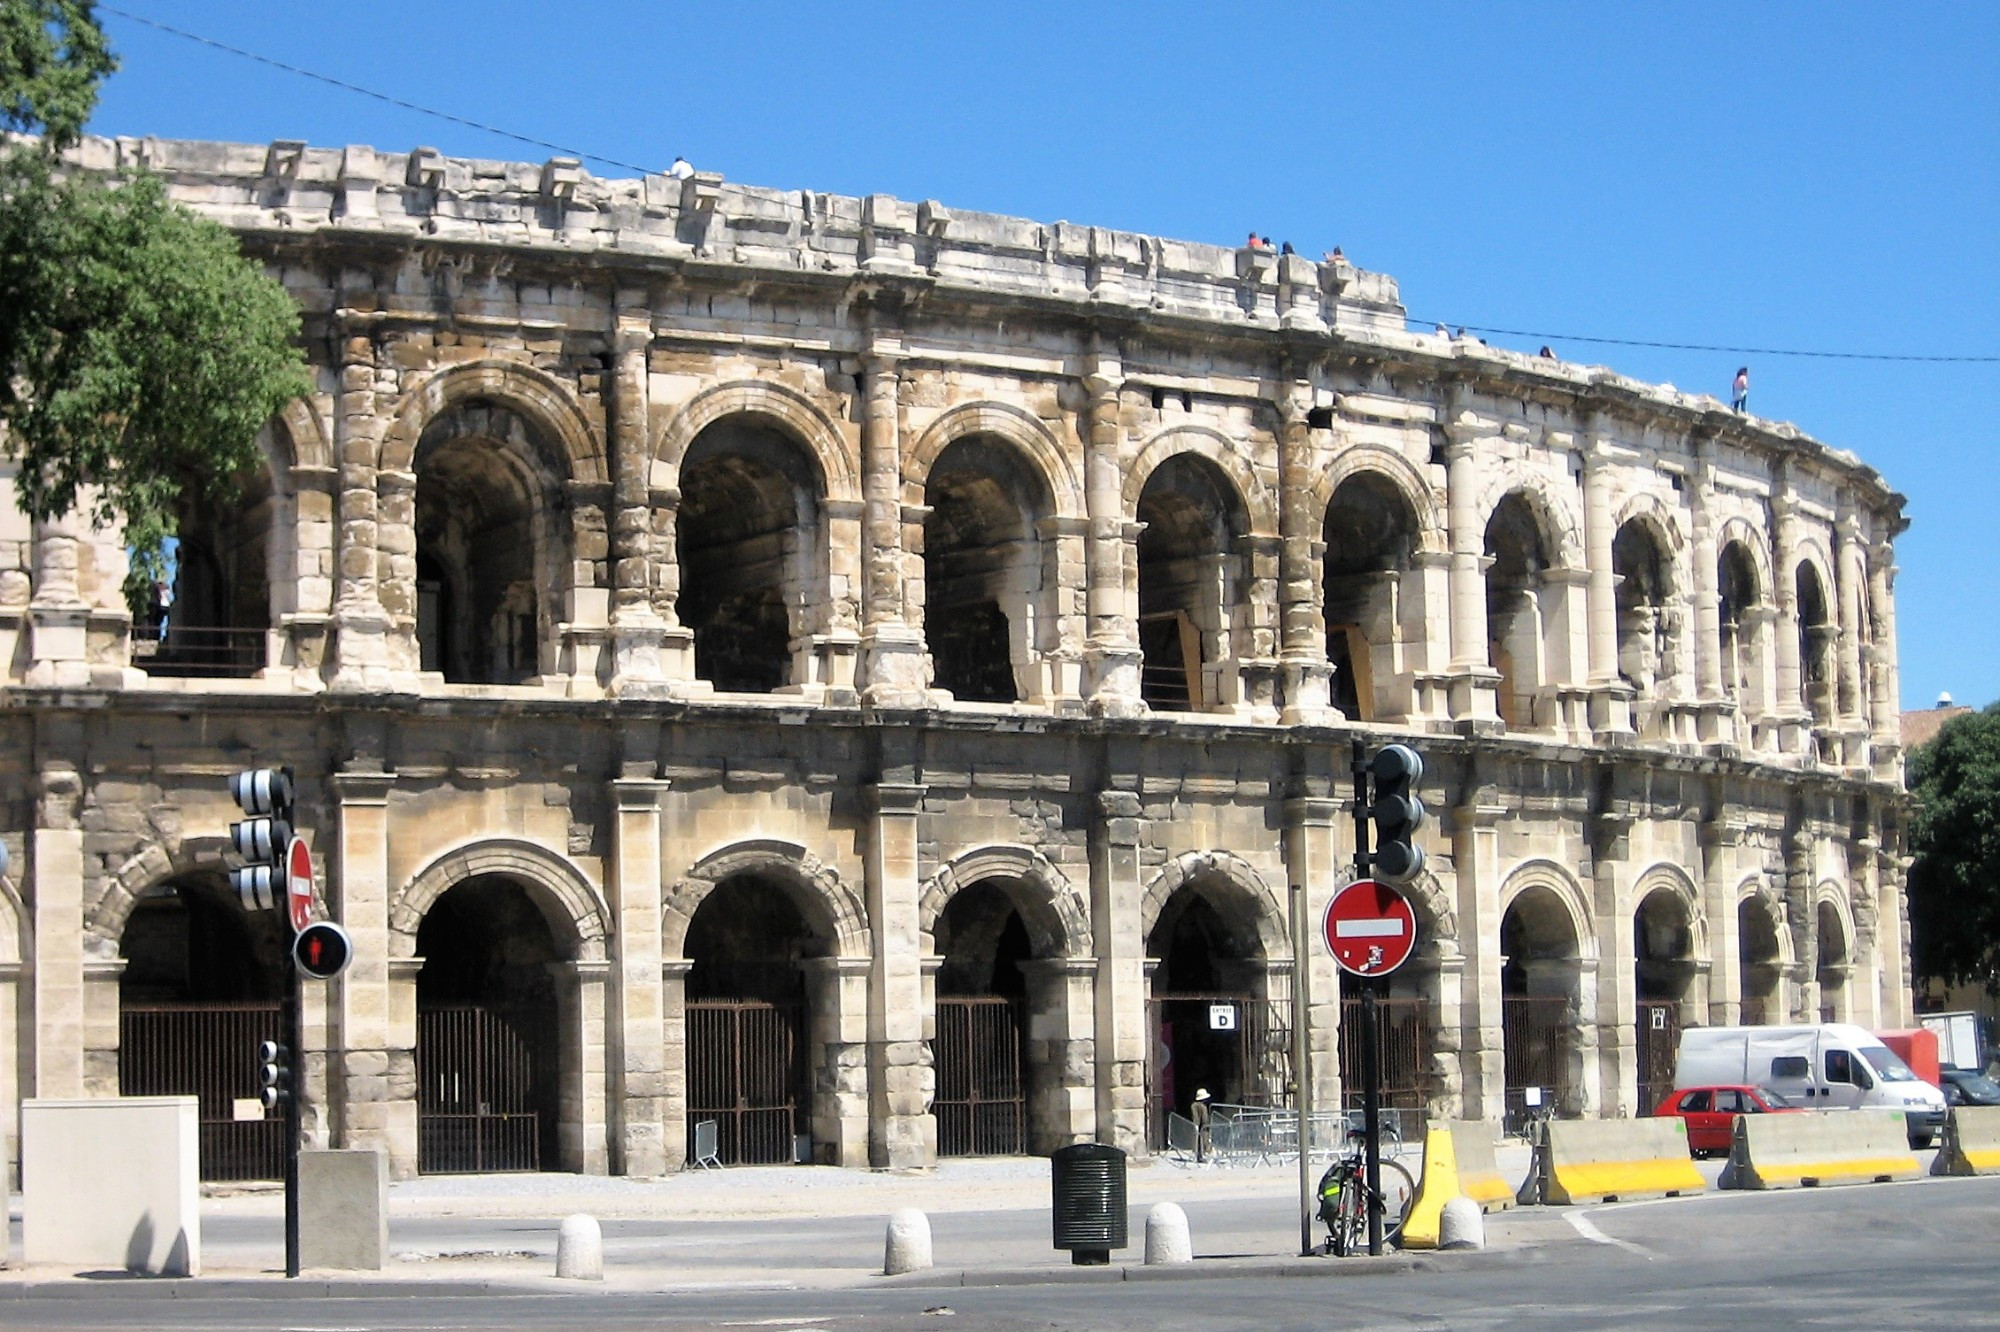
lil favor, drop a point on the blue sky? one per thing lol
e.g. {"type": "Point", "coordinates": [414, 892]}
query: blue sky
{"type": "Point", "coordinates": [1820, 177]}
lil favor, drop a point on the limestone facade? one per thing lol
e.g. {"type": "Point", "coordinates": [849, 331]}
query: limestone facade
{"type": "Point", "coordinates": [648, 541]}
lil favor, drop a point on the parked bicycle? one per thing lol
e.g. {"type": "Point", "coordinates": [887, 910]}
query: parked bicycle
{"type": "Point", "coordinates": [1344, 1195]}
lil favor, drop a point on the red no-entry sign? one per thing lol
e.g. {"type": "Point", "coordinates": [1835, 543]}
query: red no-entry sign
{"type": "Point", "coordinates": [299, 884]}
{"type": "Point", "coordinates": [1370, 927]}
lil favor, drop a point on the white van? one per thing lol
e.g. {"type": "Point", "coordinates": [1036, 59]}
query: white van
{"type": "Point", "coordinates": [1831, 1066]}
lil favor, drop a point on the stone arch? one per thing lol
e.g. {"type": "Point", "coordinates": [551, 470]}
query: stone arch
{"type": "Point", "coordinates": [792, 412]}
{"type": "Point", "coordinates": [545, 401]}
{"type": "Point", "coordinates": [1541, 873]}
{"type": "Point", "coordinates": [1829, 893]}
{"type": "Point", "coordinates": [1058, 920]}
{"type": "Point", "coordinates": [1757, 545]}
{"type": "Point", "coordinates": [826, 901]}
{"type": "Point", "coordinates": [1245, 883]}
{"type": "Point", "coordinates": [1669, 533]}
{"type": "Point", "coordinates": [1038, 445]}
{"type": "Point", "coordinates": [575, 909]}
{"type": "Point", "coordinates": [1398, 472]}
{"type": "Point", "coordinates": [1666, 875]}
{"type": "Point", "coordinates": [105, 918]}
{"type": "Point", "coordinates": [299, 436]}
{"type": "Point", "coordinates": [1554, 507]}
{"type": "Point", "coordinates": [1437, 918]}
{"type": "Point", "coordinates": [1256, 503]}
{"type": "Point", "coordinates": [1754, 888]}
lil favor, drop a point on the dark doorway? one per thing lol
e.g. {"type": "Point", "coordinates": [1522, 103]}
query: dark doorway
{"type": "Point", "coordinates": [982, 1093]}
{"type": "Point", "coordinates": [488, 1076]}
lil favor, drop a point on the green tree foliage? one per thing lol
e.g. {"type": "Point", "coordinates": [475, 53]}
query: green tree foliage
{"type": "Point", "coordinates": [140, 352]}
{"type": "Point", "coordinates": [1955, 838]}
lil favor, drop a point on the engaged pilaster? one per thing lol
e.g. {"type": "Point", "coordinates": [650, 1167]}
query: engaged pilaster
{"type": "Point", "coordinates": [900, 1078]}
{"type": "Point", "coordinates": [894, 668]}
{"type": "Point", "coordinates": [637, 630]}
{"type": "Point", "coordinates": [1111, 657]}
{"type": "Point", "coordinates": [1305, 672]}
{"type": "Point", "coordinates": [1474, 685]}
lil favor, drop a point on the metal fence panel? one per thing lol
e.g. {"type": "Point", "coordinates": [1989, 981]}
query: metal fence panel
{"type": "Point", "coordinates": [209, 1052]}
{"type": "Point", "coordinates": [746, 1071]}
{"type": "Point", "coordinates": [478, 1088]}
{"type": "Point", "coordinates": [981, 1103]}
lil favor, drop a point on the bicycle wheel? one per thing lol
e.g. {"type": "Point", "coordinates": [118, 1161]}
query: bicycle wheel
{"type": "Point", "coordinates": [1350, 1221]}
{"type": "Point", "coordinates": [1398, 1192]}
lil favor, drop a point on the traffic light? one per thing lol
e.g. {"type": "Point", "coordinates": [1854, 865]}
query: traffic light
{"type": "Point", "coordinates": [274, 1074]}
{"type": "Point", "coordinates": [1397, 813]}
{"type": "Point", "coordinates": [265, 794]}
{"type": "Point", "coordinates": [322, 950]}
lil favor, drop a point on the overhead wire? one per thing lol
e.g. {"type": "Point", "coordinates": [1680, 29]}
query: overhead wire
{"type": "Point", "coordinates": [406, 105]}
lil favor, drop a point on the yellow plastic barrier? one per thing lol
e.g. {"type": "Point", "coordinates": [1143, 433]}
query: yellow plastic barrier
{"type": "Point", "coordinates": [1479, 1176]}
{"type": "Point", "coordinates": [1439, 1186]}
{"type": "Point", "coordinates": [1971, 1143]}
{"type": "Point", "coordinates": [1819, 1147]}
{"type": "Point", "coordinates": [1595, 1160]}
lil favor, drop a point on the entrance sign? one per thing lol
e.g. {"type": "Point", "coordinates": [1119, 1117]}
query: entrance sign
{"type": "Point", "coordinates": [1370, 928]}
{"type": "Point", "coordinates": [299, 884]}
{"type": "Point", "coordinates": [1222, 1017]}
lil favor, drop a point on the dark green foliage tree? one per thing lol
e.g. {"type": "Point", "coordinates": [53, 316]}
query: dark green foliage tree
{"type": "Point", "coordinates": [139, 350]}
{"type": "Point", "coordinates": [1955, 838]}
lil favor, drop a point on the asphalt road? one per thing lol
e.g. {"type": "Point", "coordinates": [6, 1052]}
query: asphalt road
{"type": "Point", "coordinates": [1890, 1256]}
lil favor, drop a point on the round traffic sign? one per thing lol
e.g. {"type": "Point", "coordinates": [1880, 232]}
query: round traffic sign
{"type": "Point", "coordinates": [299, 884]}
{"type": "Point", "coordinates": [322, 950]}
{"type": "Point", "coordinates": [1370, 927]}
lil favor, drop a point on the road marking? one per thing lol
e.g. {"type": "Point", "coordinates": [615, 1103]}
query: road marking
{"type": "Point", "coordinates": [1585, 1227]}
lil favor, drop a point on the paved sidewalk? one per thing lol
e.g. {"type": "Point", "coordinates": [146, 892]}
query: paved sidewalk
{"type": "Point", "coordinates": [784, 1226]}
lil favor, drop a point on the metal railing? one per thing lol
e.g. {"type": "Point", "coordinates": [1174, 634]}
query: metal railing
{"type": "Point", "coordinates": [1248, 1135]}
{"type": "Point", "coordinates": [191, 651]}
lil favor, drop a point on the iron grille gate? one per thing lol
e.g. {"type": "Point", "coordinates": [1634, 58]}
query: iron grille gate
{"type": "Point", "coordinates": [1258, 1053]}
{"type": "Point", "coordinates": [981, 1104]}
{"type": "Point", "coordinates": [479, 1090]}
{"type": "Point", "coordinates": [1537, 1037]}
{"type": "Point", "coordinates": [208, 1051]}
{"type": "Point", "coordinates": [1659, 1043]}
{"type": "Point", "coordinates": [1403, 1043]}
{"type": "Point", "coordinates": [747, 1072]}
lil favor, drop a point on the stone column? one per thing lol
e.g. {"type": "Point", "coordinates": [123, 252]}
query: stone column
{"type": "Point", "coordinates": [636, 628]}
{"type": "Point", "coordinates": [902, 1132]}
{"type": "Point", "coordinates": [1789, 705]}
{"type": "Point", "coordinates": [673, 1061]}
{"type": "Point", "coordinates": [58, 616]}
{"type": "Point", "coordinates": [1715, 723]}
{"type": "Point", "coordinates": [1719, 840]}
{"type": "Point", "coordinates": [1850, 696]}
{"type": "Point", "coordinates": [1316, 858]}
{"type": "Point", "coordinates": [1616, 1011]}
{"type": "Point", "coordinates": [54, 880]}
{"type": "Point", "coordinates": [301, 630]}
{"type": "Point", "coordinates": [895, 666]}
{"type": "Point", "coordinates": [1111, 656]}
{"type": "Point", "coordinates": [1305, 672]}
{"type": "Point", "coordinates": [1473, 825]}
{"type": "Point", "coordinates": [1115, 892]}
{"type": "Point", "coordinates": [371, 1006]}
{"type": "Point", "coordinates": [838, 993]}
{"type": "Point", "coordinates": [1892, 939]}
{"type": "Point", "coordinates": [1474, 684]}
{"type": "Point", "coordinates": [676, 639]}
{"type": "Point", "coordinates": [636, 1022]}
{"type": "Point", "coordinates": [1610, 697]}
{"type": "Point", "coordinates": [582, 1136]}
{"type": "Point", "coordinates": [360, 625]}
{"type": "Point", "coordinates": [1061, 1051]}
{"type": "Point", "coordinates": [1888, 745]}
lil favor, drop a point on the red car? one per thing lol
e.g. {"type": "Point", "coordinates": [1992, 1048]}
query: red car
{"type": "Point", "coordinates": [1710, 1112]}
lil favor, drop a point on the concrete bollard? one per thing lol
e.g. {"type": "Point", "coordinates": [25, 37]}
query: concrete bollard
{"type": "Point", "coordinates": [1167, 1236]}
{"type": "Point", "coordinates": [908, 1247]}
{"type": "Point", "coordinates": [1462, 1225]}
{"type": "Point", "coordinates": [580, 1249]}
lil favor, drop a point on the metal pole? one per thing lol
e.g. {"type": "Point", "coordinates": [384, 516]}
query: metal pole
{"type": "Point", "coordinates": [1371, 1072]}
{"type": "Point", "coordinates": [1302, 1066]}
{"type": "Point", "coordinates": [293, 1022]}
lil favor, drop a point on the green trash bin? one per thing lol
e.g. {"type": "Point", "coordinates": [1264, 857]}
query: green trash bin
{"type": "Point", "coordinates": [1088, 1181]}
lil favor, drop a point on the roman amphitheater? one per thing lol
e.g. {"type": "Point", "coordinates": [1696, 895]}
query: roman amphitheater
{"type": "Point", "coordinates": [855, 680]}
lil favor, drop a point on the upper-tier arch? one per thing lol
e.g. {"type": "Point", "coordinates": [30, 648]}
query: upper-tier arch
{"type": "Point", "coordinates": [546, 402]}
{"type": "Point", "coordinates": [1025, 431]}
{"type": "Point", "coordinates": [795, 415]}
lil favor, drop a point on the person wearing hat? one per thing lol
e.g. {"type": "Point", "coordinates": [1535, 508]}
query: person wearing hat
{"type": "Point", "coordinates": [1200, 1116]}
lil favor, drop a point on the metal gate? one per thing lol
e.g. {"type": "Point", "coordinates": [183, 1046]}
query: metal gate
{"type": "Point", "coordinates": [1659, 1043]}
{"type": "Point", "coordinates": [1257, 1051]}
{"type": "Point", "coordinates": [747, 1071]}
{"type": "Point", "coordinates": [209, 1052]}
{"type": "Point", "coordinates": [1403, 1043]}
{"type": "Point", "coordinates": [480, 1091]}
{"type": "Point", "coordinates": [1537, 1053]}
{"type": "Point", "coordinates": [982, 1103]}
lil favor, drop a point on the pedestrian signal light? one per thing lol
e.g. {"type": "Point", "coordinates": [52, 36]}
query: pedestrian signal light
{"type": "Point", "coordinates": [265, 796]}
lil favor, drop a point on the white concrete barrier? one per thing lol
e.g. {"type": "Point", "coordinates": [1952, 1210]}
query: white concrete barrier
{"type": "Point", "coordinates": [1479, 1176]}
{"type": "Point", "coordinates": [907, 1247]}
{"type": "Point", "coordinates": [344, 1210]}
{"type": "Point", "coordinates": [1971, 1143]}
{"type": "Point", "coordinates": [580, 1248]}
{"type": "Point", "coordinates": [112, 1183]}
{"type": "Point", "coordinates": [1819, 1147]}
{"type": "Point", "coordinates": [1167, 1239]}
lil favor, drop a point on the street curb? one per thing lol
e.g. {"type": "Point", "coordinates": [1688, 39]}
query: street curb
{"type": "Point", "coordinates": [237, 1288]}
{"type": "Point", "coordinates": [1201, 1269]}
